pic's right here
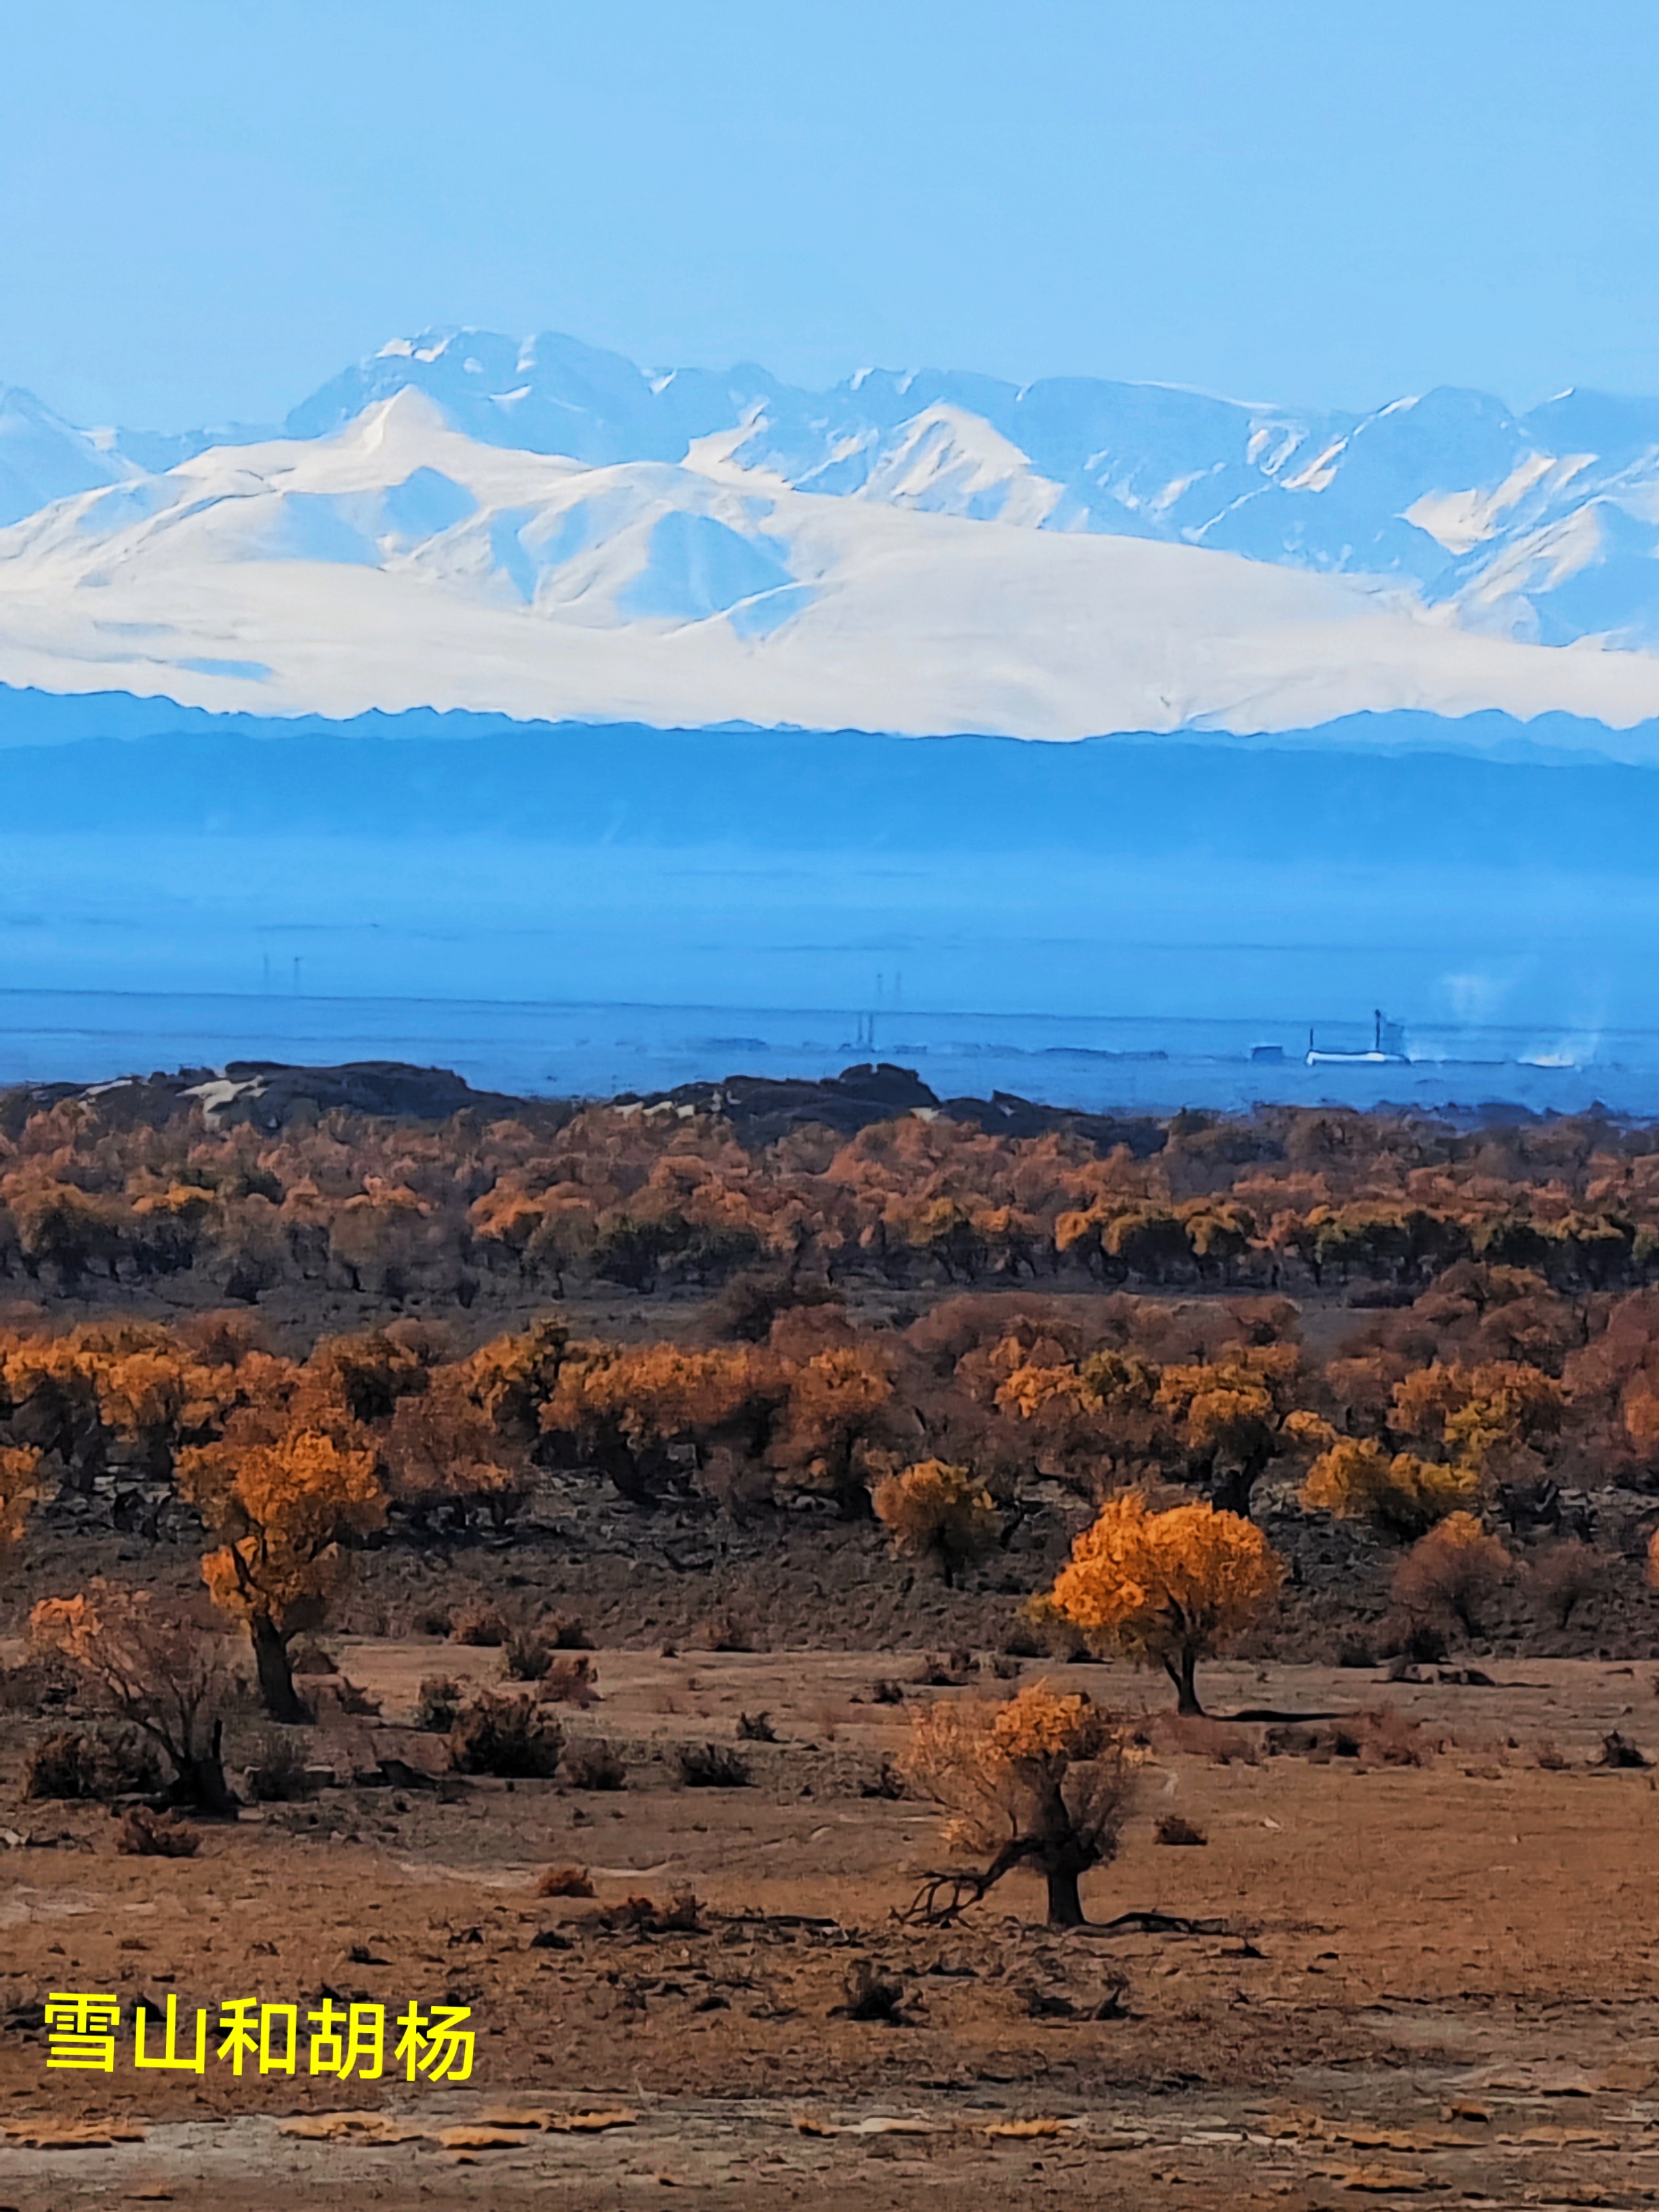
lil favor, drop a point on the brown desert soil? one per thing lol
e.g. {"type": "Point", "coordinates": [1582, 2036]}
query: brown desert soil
{"type": "Point", "coordinates": [1432, 1981]}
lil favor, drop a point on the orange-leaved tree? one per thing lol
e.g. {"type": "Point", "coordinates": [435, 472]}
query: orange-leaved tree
{"type": "Point", "coordinates": [1452, 1573]}
{"type": "Point", "coordinates": [19, 1477]}
{"type": "Point", "coordinates": [934, 1511]}
{"type": "Point", "coordinates": [283, 1507]}
{"type": "Point", "coordinates": [1166, 1588]}
{"type": "Point", "coordinates": [1040, 1779]}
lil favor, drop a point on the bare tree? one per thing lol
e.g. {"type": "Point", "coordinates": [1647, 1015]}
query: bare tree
{"type": "Point", "coordinates": [158, 1670]}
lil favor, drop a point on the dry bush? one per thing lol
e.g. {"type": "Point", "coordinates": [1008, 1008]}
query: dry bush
{"type": "Point", "coordinates": [564, 1881]}
{"type": "Point", "coordinates": [1561, 1577]}
{"type": "Point", "coordinates": [1618, 1750]}
{"type": "Point", "coordinates": [594, 1767]}
{"type": "Point", "coordinates": [107, 1763]}
{"type": "Point", "coordinates": [41, 1680]}
{"type": "Point", "coordinates": [568, 1681]}
{"type": "Point", "coordinates": [1173, 1829]}
{"type": "Point", "coordinates": [711, 1767]}
{"type": "Point", "coordinates": [511, 1737]}
{"type": "Point", "coordinates": [871, 1996]}
{"type": "Point", "coordinates": [886, 1782]}
{"type": "Point", "coordinates": [643, 1915]}
{"type": "Point", "coordinates": [280, 1773]}
{"type": "Point", "coordinates": [1452, 1574]}
{"type": "Point", "coordinates": [146, 1835]}
{"type": "Point", "coordinates": [307, 1657]}
{"type": "Point", "coordinates": [1038, 1779]}
{"type": "Point", "coordinates": [566, 1631]}
{"type": "Point", "coordinates": [482, 1626]}
{"type": "Point", "coordinates": [755, 1728]}
{"type": "Point", "coordinates": [727, 1628]}
{"type": "Point", "coordinates": [1354, 1651]}
{"type": "Point", "coordinates": [885, 1691]}
{"type": "Point", "coordinates": [526, 1655]}
{"type": "Point", "coordinates": [952, 1670]}
{"type": "Point", "coordinates": [1381, 1737]}
{"type": "Point", "coordinates": [438, 1703]}
{"type": "Point", "coordinates": [349, 1697]}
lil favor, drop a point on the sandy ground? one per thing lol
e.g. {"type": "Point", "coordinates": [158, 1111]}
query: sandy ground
{"type": "Point", "coordinates": [1437, 1979]}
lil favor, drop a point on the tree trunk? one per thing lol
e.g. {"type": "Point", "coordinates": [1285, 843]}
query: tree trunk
{"type": "Point", "coordinates": [1065, 1905]}
{"type": "Point", "coordinates": [282, 1700]}
{"type": "Point", "coordinates": [1181, 1671]}
{"type": "Point", "coordinates": [200, 1782]}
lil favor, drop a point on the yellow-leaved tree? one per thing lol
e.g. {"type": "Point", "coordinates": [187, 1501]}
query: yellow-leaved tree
{"type": "Point", "coordinates": [934, 1511]}
{"type": "Point", "coordinates": [1168, 1588]}
{"type": "Point", "coordinates": [283, 1509]}
{"type": "Point", "coordinates": [1041, 1779]}
{"type": "Point", "coordinates": [1403, 1496]}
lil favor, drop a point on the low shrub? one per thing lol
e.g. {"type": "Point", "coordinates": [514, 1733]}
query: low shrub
{"type": "Point", "coordinates": [146, 1835]}
{"type": "Point", "coordinates": [727, 1628]}
{"type": "Point", "coordinates": [565, 1631]}
{"type": "Point", "coordinates": [564, 1881]}
{"type": "Point", "coordinates": [98, 1764]}
{"type": "Point", "coordinates": [526, 1655]}
{"type": "Point", "coordinates": [480, 1625]}
{"type": "Point", "coordinates": [594, 1767]}
{"type": "Point", "coordinates": [1173, 1829]}
{"type": "Point", "coordinates": [568, 1681]}
{"type": "Point", "coordinates": [755, 1728]}
{"type": "Point", "coordinates": [643, 1915]}
{"type": "Point", "coordinates": [711, 1767]}
{"type": "Point", "coordinates": [511, 1737]}
{"type": "Point", "coordinates": [1561, 1576]}
{"type": "Point", "coordinates": [1618, 1750]}
{"type": "Point", "coordinates": [280, 1771]}
{"type": "Point", "coordinates": [438, 1703]}
{"type": "Point", "coordinates": [871, 1996]}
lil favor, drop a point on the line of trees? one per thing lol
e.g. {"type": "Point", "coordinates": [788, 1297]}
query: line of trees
{"type": "Point", "coordinates": [1283, 1201]}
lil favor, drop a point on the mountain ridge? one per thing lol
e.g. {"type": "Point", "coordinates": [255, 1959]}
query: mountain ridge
{"type": "Point", "coordinates": [1423, 550]}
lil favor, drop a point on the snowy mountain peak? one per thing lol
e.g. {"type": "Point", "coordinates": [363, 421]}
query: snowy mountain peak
{"type": "Point", "coordinates": [536, 525]}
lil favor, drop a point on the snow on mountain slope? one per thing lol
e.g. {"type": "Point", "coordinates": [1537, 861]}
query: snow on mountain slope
{"type": "Point", "coordinates": [1432, 491]}
{"type": "Point", "coordinates": [42, 458]}
{"type": "Point", "coordinates": [399, 561]}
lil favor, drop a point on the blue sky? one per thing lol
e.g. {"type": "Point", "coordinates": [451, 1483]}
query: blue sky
{"type": "Point", "coordinates": [212, 205]}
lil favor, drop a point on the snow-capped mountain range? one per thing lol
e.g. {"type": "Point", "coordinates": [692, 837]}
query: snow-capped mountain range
{"type": "Point", "coordinates": [542, 529]}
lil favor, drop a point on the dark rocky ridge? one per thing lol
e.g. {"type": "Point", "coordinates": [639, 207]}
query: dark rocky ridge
{"type": "Point", "coordinates": [761, 1109]}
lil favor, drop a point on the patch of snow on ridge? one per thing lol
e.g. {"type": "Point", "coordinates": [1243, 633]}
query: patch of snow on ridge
{"type": "Point", "coordinates": [1460, 521]}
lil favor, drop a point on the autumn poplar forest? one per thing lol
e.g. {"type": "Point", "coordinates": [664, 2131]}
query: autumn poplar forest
{"type": "Point", "coordinates": [771, 1571]}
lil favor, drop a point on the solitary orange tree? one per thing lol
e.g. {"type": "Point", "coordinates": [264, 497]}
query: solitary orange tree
{"type": "Point", "coordinates": [1167, 1588]}
{"type": "Point", "coordinates": [283, 1510]}
{"type": "Point", "coordinates": [1039, 1779]}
